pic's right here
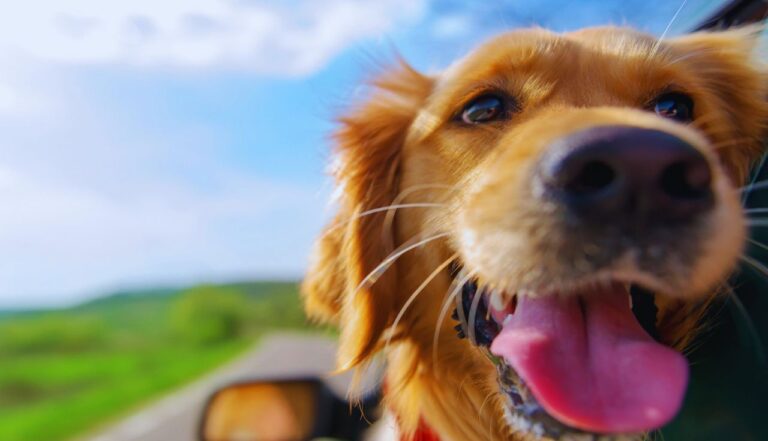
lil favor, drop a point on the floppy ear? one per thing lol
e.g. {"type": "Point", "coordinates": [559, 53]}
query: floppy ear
{"type": "Point", "coordinates": [368, 149]}
{"type": "Point", "coordinates": [729, 62]}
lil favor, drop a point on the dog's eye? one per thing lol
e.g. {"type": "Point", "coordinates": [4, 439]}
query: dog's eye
{"type": "Point", "coordinates": [674, 105]}
{"type": "Point", "coordinates": [483, 109]}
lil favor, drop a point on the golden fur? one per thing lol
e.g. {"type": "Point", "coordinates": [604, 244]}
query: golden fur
{"type": "Point", "coordinates": [400, 146]}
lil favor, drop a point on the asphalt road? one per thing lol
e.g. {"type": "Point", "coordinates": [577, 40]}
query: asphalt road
{"type": "Point", "coordinates": [175, 417]}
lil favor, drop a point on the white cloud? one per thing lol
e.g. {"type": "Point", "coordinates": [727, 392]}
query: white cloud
{"type": "Point", "coordinates": [452, 26]}
{"type": "Point", "coordinates": [10, 101]}
{"type": "Point", "coordinates": [293, 38]}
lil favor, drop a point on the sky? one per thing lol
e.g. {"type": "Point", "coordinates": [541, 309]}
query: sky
{"type": "Point", "coordinates": [147, 143]}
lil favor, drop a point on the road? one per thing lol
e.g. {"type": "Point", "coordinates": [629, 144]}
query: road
{"type": "Point", "coordinates": [175, 417]}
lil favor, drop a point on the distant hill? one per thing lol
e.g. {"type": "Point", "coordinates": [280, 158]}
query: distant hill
{"type": "Point", "coordinates": [128, 296]}
{"type": "Point", "coordinates": [147, 296]}
{"type": "Point", "coordinates": [13, 313]}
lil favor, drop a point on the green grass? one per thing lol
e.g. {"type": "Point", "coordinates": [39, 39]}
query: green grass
{"type": "Point", "coordinates": [66, 372]}
{"type": "Point", "coordinates": [68, 395]}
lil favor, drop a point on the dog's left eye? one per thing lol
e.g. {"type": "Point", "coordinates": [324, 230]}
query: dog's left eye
{"type": "Point", "coordinates": [483, 109]}
{"type": "Point", "coordinates": [674, 105]}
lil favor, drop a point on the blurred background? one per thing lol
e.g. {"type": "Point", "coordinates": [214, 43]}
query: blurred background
{"type": "Point", "coordinates": [162, 178]}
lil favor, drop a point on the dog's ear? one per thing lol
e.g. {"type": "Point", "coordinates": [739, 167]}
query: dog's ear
{"type": "Point", "coordinates": [730, 65]}
{"type": "Point", "coordinates": [367, 160]}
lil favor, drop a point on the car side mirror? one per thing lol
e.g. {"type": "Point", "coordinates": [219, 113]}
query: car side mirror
{"type": "Point", "coordinates": [282, 410]}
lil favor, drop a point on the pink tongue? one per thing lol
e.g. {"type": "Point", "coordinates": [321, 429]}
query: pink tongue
{"type": "Point", "coordinates": [590, 364]}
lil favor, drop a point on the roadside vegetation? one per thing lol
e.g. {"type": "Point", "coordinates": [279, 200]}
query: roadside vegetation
{"type": "Point", "coordinates": [64, 372]}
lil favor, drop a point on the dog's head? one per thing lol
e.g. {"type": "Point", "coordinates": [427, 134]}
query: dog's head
{"type": "Point", "coordinates": [575, 198]}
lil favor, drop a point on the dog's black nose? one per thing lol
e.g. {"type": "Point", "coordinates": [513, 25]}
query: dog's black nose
{"type": "Point", "coordinates": [620, 172]}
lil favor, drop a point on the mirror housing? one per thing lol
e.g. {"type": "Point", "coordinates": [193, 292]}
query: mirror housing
{"type": "Point", "coordinates": [283, 410]}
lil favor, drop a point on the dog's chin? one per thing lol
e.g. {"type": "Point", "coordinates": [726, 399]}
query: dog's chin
{"type": "Point", "coordinates": [526, 350]}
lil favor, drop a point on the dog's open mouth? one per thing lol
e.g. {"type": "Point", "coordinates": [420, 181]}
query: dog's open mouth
{"type": "Point", "coordinates": [586, 365]}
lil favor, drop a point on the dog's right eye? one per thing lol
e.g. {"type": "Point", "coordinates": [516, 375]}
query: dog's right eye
{"type": "Point", "coordinates": [483, 109]}
{"type": "Point", "coordinates": [674, 105]}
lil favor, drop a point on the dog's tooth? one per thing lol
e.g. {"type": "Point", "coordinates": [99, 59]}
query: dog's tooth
{"type": "Point", "coordinates": [628, 288]}
{"type": "Point", "coordinates": [526, 293]}
{"type": "Point", "coordinates": [497, 301]}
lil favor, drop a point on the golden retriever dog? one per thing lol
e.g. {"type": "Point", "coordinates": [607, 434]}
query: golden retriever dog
{"type": "Point", "coordinates": [530, 237]}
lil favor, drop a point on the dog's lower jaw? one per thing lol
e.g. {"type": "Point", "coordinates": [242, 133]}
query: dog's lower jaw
{"type": "Point", "coordinates": [525, 430]}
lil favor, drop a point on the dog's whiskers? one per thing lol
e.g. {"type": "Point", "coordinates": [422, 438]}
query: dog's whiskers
{"type": "Point", "coordinates": [757, 222]}
{"type": "Point", "coordinates": [758, 244]}
{"type": "Point", "coordinates": [752, 330]}
{"type": "Point", "coordinates": [473, 315]}
{"type": "Point", "coordinates": [759, 210]}
{"type": "Point", "coordinates": [754, 186]}
{"type": "Point", "coordinates": [413, 296]}
{"type": "Point", "coordinates": [389, 260]}
{"type": "Point", "coordinates": [684, 57]}
{"type": "Point", "coordinates": [658, 436]}
{"type": "Point", "coordinates": [669, 26]}
{"type": "Point", "coordinates": [383, 209]}
{"type": "Point", "coordinates": [414, 188]}
{"type": "Point", "coordinates": [386, 226]}
{"type": "Point", "coordinates": [747, 189]}
{"type": "Point", "coordinates": [444, 312]}
{"type": "Point", "coordinates": [759, 267]}
{"type": "Point", "coordinates": [482, 409]}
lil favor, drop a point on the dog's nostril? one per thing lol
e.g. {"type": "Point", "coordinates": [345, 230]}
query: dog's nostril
{"type": "Point", "coordinates": [593, 177]}
{"type": "Point", "coordinates": [634, 175]}
{"type": "Point", "coordinates": [687, 180]}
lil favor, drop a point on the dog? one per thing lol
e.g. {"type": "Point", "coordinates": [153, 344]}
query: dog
{"type": "Point", "coordinates": [532, 236]}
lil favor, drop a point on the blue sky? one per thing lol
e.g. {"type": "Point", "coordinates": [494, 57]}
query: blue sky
{"type": "Point", "coordinates": [151, 142]}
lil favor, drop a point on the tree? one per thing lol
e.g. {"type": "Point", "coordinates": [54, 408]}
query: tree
{"type": "Point", "coordinates": [208, 314]}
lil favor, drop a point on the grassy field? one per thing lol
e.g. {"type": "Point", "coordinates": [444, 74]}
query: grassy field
{"type": "Point", "coordinates": [64, 372]}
